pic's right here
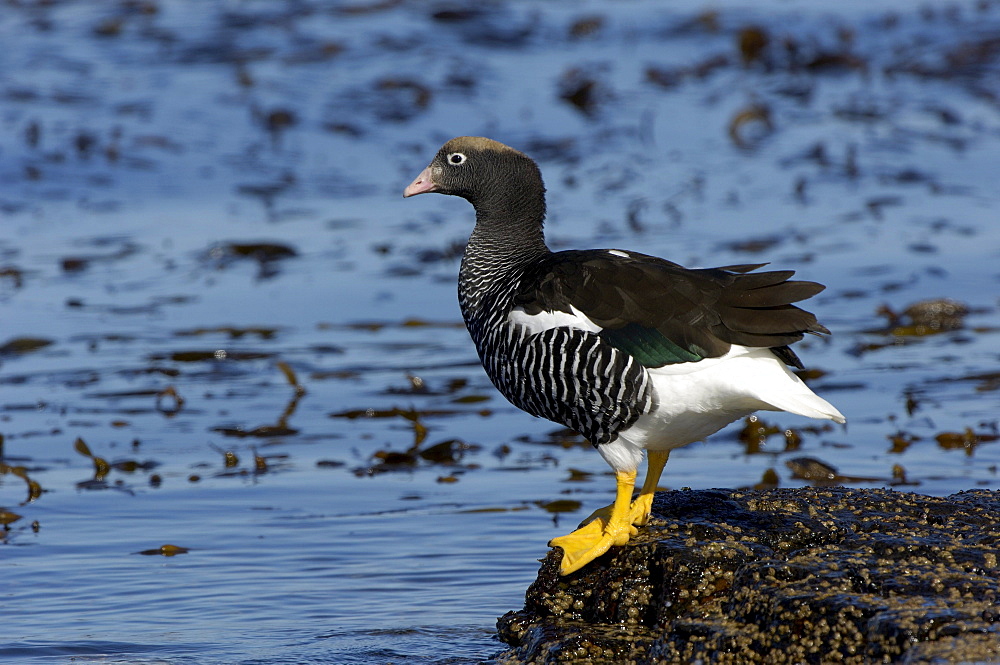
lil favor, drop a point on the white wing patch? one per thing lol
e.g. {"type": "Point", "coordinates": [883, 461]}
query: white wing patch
{"type": "Point", "coordinates": [544, 320]}
{"type": "Point", "coordinates": [619, 253]}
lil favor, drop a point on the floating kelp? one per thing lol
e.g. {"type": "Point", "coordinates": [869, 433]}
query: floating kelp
{"type": "Point", "coordinates": [396, 412]}
{"type": "Point", "coordinates": [34, 489]}
{"type": "Point", "coordinates": [169, 402]}
{"type": "Point", "coordinates": [232, 332]}
{"type": "Point", "coordinates": [230, 459]}
{"type": "Point", "coordinates": [673, 77]}
{"type": "Point", "coordinates": [101, 466]}
{"type": "Point", "coordinates": [165, 550]}
{"type": "Point", "coordinates": [579, 475]}
{"type": "Point", "coordinates": [267, 255]}
{"type": "Point", "coordinates": [822, 474]}
{"type": "Point", "coordinates": [7, 518]}
{"type": "Point", "coordinates": [281, 427]}
{"type": "Point", "coordinates": [987, 381]}
{"type": "Point", "coordinates": [448, 453]}
{"type": "Point", "coordinates": [920, 319]}
{"type": "Point", "coordinates": [560, 506]}
{"type": "Point", "coordinates": [12, 276]}
{"type": "Point", "coordinates": [750, 125]}
{"type": "Point", "coordinates": [966, 440]}
{"type": "Point", "coordinates": [768, 481]}
{"type": "Point", "coordinates": [812, 469]}
{"type": "Point", "coordinates": [900, 441]}
{"type": "Point", "coordinates": [926, 317]}
{"type": "Point", "coordinates": [261, 431]}
{"type": "Point", "coordinates": [21, 345]}
{"type": "Point", "coordinates": [582, 91]}
{"type": "Point", "coordinates": [756, 431]}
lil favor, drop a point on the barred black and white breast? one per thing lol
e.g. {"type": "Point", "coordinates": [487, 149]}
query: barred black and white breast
{"type": "Point", "coordinates": [554, 365]}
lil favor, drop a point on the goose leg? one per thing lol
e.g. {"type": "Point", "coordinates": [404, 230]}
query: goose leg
{"type": "Point", "coordinates": [643, 504]}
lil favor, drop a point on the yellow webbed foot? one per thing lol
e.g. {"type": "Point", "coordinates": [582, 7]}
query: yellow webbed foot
{"type": "Point", "coordinates": [640, 510]}
{"type": "Point", "coordinates": [600, 514]}
{"type": "Point", "coordinates": [589, 542]}
{"type": "Point", "coordinates": [593, 525]}
{"type": "Point", "coordinates": [614, 524]}
{"type": "Point", "coordinates": [591, 530]}
{"type": "Point", "coordinates": [596, 537]}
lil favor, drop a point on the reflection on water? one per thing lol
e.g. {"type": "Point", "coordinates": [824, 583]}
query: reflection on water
{"type": "Point", "coordinates": [241, 419]}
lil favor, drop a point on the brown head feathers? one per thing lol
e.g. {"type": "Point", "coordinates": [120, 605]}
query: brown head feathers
{"type": "Point", "coordinates": [478, 143]}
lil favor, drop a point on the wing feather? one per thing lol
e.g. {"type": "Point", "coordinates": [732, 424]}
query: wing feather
{"type": "Point", "coordinates": [662, 313]}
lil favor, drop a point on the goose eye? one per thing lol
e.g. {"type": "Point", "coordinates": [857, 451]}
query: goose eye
{"type": "Point", "coordinates": [456, 158]}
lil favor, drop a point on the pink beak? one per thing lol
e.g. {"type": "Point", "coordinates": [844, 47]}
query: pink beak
{"type": "Point", "coordinates": [421, 185]}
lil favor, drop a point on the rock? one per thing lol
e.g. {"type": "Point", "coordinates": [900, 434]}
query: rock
{"type": "Point", "coordinates": [778, 576]}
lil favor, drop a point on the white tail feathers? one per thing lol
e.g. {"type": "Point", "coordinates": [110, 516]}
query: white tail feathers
{"type": "Point", "coordinates": [805, 403]}
{"type": "Point", "coordinates": [774, 384]}
{"type": "Point", "coordinates": [698, 399]}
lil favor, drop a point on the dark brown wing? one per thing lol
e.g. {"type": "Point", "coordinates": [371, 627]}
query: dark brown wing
{"type": "Point", "coordinates": [662, 313]}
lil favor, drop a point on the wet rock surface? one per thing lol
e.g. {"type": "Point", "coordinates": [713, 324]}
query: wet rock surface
{"type": "Point", "coordinates": [778, 576]}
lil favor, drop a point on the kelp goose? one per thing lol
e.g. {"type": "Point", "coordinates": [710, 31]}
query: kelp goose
{"type": "Point", "coordinates": [634, 352]}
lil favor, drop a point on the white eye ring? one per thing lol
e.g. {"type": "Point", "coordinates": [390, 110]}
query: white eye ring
{"type": "Point", "coordinates": [456, 158]}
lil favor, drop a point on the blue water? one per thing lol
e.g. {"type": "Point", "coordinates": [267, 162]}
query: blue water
{"type": "Point", "coordinates": [141, 143]}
